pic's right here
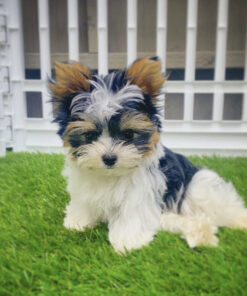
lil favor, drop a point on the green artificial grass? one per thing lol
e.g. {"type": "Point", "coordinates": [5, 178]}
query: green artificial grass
{"type": "Point", "coordinates": [38, 256]}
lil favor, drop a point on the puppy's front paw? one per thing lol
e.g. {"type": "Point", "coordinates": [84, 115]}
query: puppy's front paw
{"type": "Point", "coordinates": [77, 224]}
{"type": "Point", "coordinates": [129, 242]}
{"type": "Point", "coordinates": [79, 217]}
{"type": "Point", "coordinates": [202, 233]}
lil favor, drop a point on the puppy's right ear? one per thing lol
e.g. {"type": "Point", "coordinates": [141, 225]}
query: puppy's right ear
{"type": "Point", "coordinates": [70, 78]}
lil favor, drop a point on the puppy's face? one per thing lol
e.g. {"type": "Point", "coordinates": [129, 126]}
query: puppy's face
{"type": "Point", "coordinates": [110, 124]}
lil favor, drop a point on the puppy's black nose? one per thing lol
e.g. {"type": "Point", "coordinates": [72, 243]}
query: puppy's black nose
{"type": "Point", "coordinates": [109, 159]}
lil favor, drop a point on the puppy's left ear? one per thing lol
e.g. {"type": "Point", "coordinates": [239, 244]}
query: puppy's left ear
{"type": "Point", "coordinates": [146, 74]}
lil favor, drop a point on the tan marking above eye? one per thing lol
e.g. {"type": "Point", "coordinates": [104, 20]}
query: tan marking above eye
{"type": "Point", "coordinates": [133, 121]}
{"type": "Point", "coordinates": [78, 127]}
{"type": "Point", "coordinates": [85, 126]}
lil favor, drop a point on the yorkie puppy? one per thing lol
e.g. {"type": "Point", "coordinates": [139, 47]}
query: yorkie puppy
{"type": "Point", "coordinates": [119, 170]}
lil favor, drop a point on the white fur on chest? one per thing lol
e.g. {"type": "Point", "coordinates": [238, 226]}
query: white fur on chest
{"type": "Point", "coordinates": [130, 201]}
{"type": "Point", "coordinates": [108, 193]}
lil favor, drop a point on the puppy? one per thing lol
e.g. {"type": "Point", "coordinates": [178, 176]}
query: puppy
{"type": "Point", "coordinates": [118, 169]}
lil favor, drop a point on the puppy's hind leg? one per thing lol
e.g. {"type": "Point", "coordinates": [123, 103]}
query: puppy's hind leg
{"type": "Point", "coordinates": [239, 220]}
{"type": "Point", "coordinates": [197, 230]}
{"type": "Point", "coordinates": [208, 194]}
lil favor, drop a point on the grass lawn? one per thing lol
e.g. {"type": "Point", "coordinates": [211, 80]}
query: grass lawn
{"type": "Point", "coordinates": [38, 256]}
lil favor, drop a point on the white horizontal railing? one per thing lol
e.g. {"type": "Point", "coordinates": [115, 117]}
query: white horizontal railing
{"type": "Point", "coordinates": [170, 86]}
{"type": "Point", "coordinates": [205, 87]}
{"type": "Point", "coordinates": [187, 135]}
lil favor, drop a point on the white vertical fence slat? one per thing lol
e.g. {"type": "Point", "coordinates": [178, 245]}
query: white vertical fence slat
{"type": "Point", "coordinates": [188, 105]}
{"type": "Point", "coordinates": [244, 113]}
{"type": "Point", "coordinates": [190, 59]}
{"type": "Point", "coordinates": [131, 30]}
{"type": "Point", "coordinates": [2, 127]}
{"type": "Point", "coordinates": [245, 65]}
{"type": "Point", "coordinates": [161, 43]}
{"type": "Point", "coordinates": [221, 40]}
{"type": "Point", "coordinates": [102, 37]}
{"type": "Point", "coordinates": [16, 57]}
{"type": "Point", "coordinates": [73, 29]}
{"type": "Point", "coordinates": [2, 119]}
{"type": "Point", "coordinates": [220, 57]}
{"type": "Point", "coordinates": [44, 38]}
{"type": "Point", "coordinates": [44, 46]}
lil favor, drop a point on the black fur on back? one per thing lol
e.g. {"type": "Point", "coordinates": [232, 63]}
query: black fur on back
{"type": "Point", "coordinates": [178, 171]}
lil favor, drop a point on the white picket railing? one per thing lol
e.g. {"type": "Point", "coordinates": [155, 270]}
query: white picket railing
{"type": "Point", "coordinates": [187, 135]}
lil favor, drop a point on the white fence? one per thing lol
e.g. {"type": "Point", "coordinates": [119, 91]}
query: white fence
{"type": "Point", "coordinates": [189, 136]}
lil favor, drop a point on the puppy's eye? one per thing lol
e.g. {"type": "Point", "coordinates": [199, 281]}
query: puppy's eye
{"type": "Point", "coordinates": [91, 136]}
{"type": "Point", "coordinates": [128, 135]}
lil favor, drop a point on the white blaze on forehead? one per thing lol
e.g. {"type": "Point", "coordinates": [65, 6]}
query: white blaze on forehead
{"type": "Point", "coordinates": [102, 102]}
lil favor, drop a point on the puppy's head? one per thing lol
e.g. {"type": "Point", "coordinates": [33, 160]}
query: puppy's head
{"type": "Point", "coordinates": [111, 123]}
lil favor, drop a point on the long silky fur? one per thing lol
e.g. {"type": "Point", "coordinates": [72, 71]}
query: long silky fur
{"type": "Point", "coordinates": [148, 187]}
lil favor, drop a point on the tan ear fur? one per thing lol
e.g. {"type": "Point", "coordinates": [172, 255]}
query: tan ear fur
{"type": "Point", "coordinates": [70, 78]}
{"type": "Point", "coordinates": [146, 74]}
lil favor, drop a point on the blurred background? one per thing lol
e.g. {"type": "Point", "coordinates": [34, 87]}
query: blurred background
{"type": "Point", "coordinates": [202, 45]}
